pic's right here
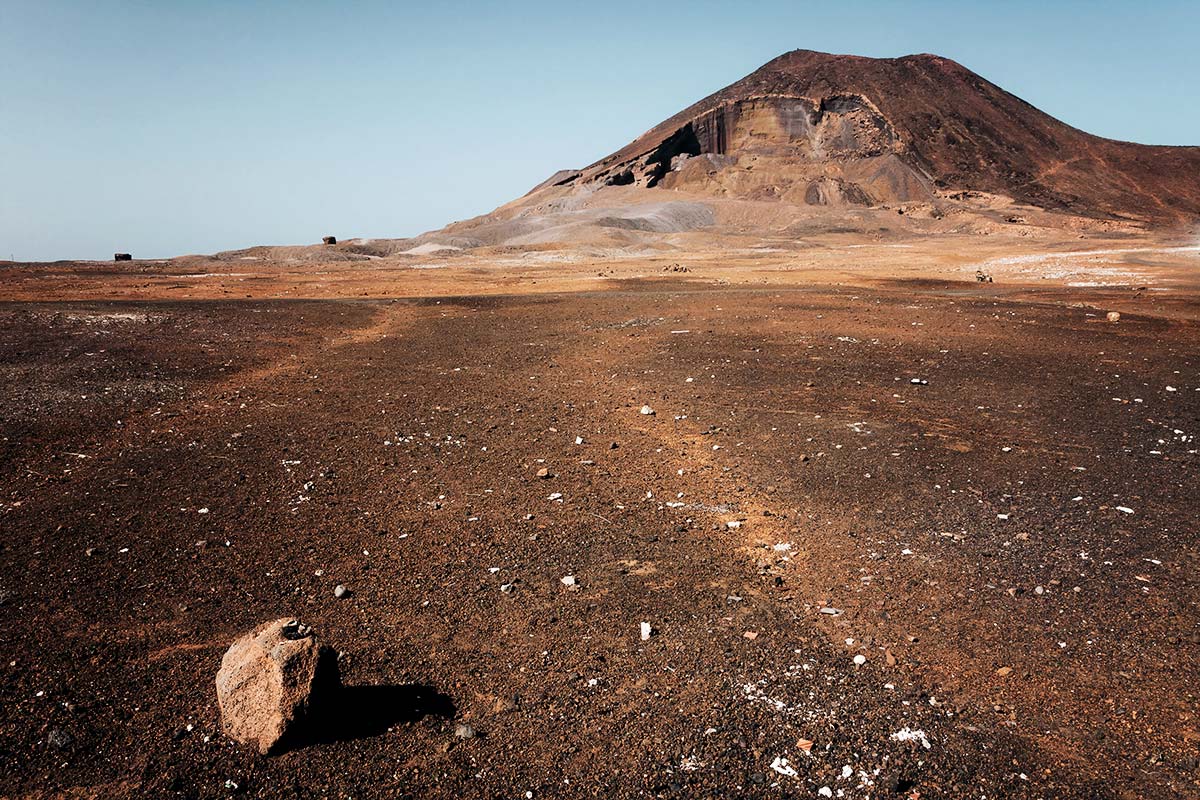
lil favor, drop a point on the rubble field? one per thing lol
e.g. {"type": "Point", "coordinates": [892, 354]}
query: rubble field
{"type": "Point", "coordinates": [668, 536]}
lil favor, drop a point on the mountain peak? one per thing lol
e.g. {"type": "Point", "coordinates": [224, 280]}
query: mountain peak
{"type": "Point", "coordinates": [844, 142]}
{"type": "Point", "coordinates": [826, 128]}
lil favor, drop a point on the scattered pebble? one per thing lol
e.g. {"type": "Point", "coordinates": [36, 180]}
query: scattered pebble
{"type": "Point", "coordinates": [59, 739]}
{"type": "Point", "coordinates": [781, 765]}
{"type": "Point", "coordinates": [910, 735]}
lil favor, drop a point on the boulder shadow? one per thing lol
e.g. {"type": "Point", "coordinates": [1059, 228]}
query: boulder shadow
{"type": "Point", "coordinates": [346, 713]}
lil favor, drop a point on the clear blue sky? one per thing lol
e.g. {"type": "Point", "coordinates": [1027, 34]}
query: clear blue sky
{"type": "Point", "coordinates": [175, 127]}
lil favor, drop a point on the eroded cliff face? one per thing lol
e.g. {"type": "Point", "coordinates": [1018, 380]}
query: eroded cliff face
{"type": "Point", "coordinates": [811, 139]}
{"type": "Point", "coordinates": [786, 127]}
{"type": "Point", "coordinates": [817, 151]}
{"type": "Point", "coordinates": [820, 129]}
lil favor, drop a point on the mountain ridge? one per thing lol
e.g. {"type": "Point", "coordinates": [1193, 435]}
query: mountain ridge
{"type": "Point", "coordinates": [957, 128]}
{"type": "Point", "coordinates": [813, 143]}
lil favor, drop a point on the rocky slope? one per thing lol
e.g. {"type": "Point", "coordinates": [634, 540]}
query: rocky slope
{"type": "Point", "coordinates": [897, 129]}
{"type": "Point", "coordinates": [811, 130]}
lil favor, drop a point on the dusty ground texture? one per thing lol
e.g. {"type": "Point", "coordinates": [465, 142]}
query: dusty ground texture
{"type": "Point", "coordinates": [1009, 541]}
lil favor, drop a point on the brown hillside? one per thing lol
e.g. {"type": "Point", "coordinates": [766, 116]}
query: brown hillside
{"type": "Point", "coordinates": [824, 129]}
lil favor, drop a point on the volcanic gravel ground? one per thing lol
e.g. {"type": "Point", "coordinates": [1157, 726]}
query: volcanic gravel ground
{"type": "Point", "coordinates": [1009, 542]}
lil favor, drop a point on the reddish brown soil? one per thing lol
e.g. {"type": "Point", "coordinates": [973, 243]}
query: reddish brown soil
{"type": "Point", "coordinates": [392, 445]}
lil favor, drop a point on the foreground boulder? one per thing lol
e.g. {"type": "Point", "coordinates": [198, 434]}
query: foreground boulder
{"type": "Point", "coordinates": [269, 680]}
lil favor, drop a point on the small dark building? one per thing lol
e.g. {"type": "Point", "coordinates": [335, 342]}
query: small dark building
{"type": "Point", "coordinates": [329, 239]}
{"type": "Point", "coordinates": [122, 257]}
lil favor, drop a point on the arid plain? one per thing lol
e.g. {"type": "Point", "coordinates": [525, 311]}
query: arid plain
{"type": "Point", "coordinates": [905, 509]}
